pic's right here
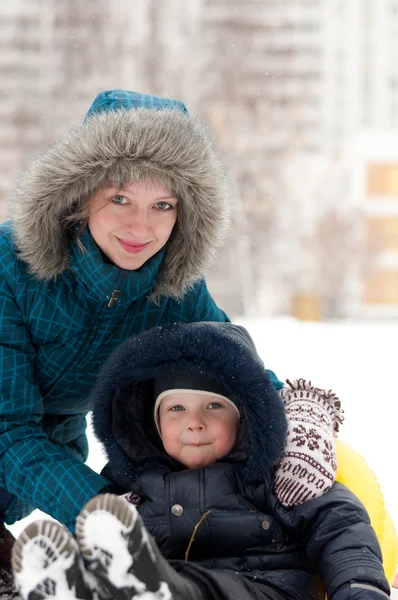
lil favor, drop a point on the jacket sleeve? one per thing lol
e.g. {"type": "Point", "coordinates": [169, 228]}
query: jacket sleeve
{"type": "Point", "coordinates": [31, 467]}
{"type": "Point", "coordinates": [204, 307]}
{"type": "Point", "coordinates": [339, 540]}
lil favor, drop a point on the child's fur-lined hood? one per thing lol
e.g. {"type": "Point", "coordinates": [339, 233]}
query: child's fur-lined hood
{"type": "Point", "coordinates": [123, 405]}
{"type": "Point", "coordinates": [127, 137]}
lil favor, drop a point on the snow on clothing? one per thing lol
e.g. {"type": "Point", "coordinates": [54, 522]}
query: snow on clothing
{"type": "Point", "coordinates": [245, 529]}
{"type": "Point", "coordinates": [56, 324]}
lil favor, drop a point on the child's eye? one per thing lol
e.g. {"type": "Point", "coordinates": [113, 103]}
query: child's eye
{"type": "Point", "coordinates": [164, 205]}
{"type": "Point", "coordinates": [119, 199]}
{"type": "Point", "coordinates": [176, 408]}
{"type": "Point", "coordinates": [215, 405]}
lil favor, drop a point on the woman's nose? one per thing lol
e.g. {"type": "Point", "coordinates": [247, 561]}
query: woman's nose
{"type": "Point", "coordinates": [136, 221]}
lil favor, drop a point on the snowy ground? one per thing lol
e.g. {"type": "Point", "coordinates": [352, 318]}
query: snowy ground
{"type": "Point", "coordinates": [358, 361]}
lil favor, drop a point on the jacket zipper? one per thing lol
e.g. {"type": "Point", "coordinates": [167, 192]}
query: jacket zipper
{"type": "Point", "coordinates": [116, 292]}
{"type": "Point", "coordinates": [114, 298]}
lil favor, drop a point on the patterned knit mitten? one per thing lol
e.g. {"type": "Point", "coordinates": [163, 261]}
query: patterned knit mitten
{"type": "Point", "coordinates": [307, 468]}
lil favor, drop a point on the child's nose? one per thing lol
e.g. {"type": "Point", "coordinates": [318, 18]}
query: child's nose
{"type": "Point", "coordinates": [195, 423]}
{"type": "Point", "coordinates": [195, 427]}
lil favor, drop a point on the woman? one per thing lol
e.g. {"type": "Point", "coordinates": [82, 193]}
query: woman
{"type": "Point", "coordinates": [113, 229]}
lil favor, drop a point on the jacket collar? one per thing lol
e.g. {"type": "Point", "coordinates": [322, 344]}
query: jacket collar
{"type": "Point", "coordinates": [102, 279]}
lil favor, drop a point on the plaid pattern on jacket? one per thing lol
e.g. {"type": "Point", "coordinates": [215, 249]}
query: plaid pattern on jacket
{"type": "Point", "coordinates": [54, 337]}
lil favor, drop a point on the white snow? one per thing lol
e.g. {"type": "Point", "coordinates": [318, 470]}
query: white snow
{"type": "Point", "coordinates": [358, 361]}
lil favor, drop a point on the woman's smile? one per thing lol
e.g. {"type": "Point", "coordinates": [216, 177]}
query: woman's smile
{"type": "Point", "coordinates": [132, 247]}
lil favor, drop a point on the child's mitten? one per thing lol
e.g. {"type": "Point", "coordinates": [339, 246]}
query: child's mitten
{"type": "Point", "coordinates": [307, 468]}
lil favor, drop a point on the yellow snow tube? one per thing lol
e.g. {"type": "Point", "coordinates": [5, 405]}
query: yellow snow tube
{"type": "Point", "coordinates": [354, 472]}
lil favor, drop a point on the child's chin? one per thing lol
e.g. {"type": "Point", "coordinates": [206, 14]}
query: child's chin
{"type": "Point", "coordinates": [197, 463]}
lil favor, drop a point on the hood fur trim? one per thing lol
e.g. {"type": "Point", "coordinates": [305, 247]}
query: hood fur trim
{"type": "Point", "coordinates": [121, 146]}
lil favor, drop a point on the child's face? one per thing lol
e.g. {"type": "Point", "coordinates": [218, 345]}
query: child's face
{"type": "Point", "coordinates": [197, 429]}
{"type": "Point", "coordinates": [131, 224]}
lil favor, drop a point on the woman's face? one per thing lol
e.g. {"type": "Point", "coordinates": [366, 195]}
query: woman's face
{"type": "Point", "coordinates": [133, 223]}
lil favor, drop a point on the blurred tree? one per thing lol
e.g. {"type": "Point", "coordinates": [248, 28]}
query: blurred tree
{"type": "Point", "coordinates": [238, 100]}
{"type": "Point", "coordinates": [343, 256]}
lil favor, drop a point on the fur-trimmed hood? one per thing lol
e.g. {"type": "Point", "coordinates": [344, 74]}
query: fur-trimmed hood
{"type": "Point", "coordinates": [126, 136]}
{"type": "Point", "coordinates": [123, 401]}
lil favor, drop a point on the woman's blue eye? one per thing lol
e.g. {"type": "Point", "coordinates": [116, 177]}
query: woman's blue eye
{"type": "Point", "coordinates": [119, 199]}
{"type": "Point", "coordinates": [215, 405]}
{"type": "Point", "coordinates": [164, 205]}
{"type": "Point", "coordinates": [177, 408]}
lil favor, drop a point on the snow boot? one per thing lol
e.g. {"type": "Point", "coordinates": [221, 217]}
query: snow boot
{"type": "Point", "coordinates": [118, 550]}
{"type": "Point", "coordinates": [47, 564]}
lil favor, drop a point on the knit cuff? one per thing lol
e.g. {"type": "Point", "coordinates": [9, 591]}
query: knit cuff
{"type": "Point", "coordinates": [307, 468]}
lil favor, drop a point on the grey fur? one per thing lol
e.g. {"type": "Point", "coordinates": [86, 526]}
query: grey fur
{"type": "Point", "coordinates": [121, 146]}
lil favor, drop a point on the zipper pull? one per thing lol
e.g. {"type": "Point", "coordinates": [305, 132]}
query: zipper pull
{"type": "Point", "coordinates": [113, 298]}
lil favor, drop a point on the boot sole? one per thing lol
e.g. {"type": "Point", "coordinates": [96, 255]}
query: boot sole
{"type": "Point", "coordinates": [50, 530]}
{"type": "Point", "coordinates": [110, 504]}
{"type": "Point", "coordinates": [138, 577]}
{"type": "Point", "coordinates": [47, 564]}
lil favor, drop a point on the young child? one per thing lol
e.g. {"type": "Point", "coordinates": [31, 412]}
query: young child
{"type": "Point", "coordinates": [193, 429]}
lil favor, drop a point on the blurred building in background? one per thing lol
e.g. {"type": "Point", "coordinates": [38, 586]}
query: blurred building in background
{"type": "Point", "coordinates": [296, 93]}
{"type": "Point", "coordinates": [377, 187]}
